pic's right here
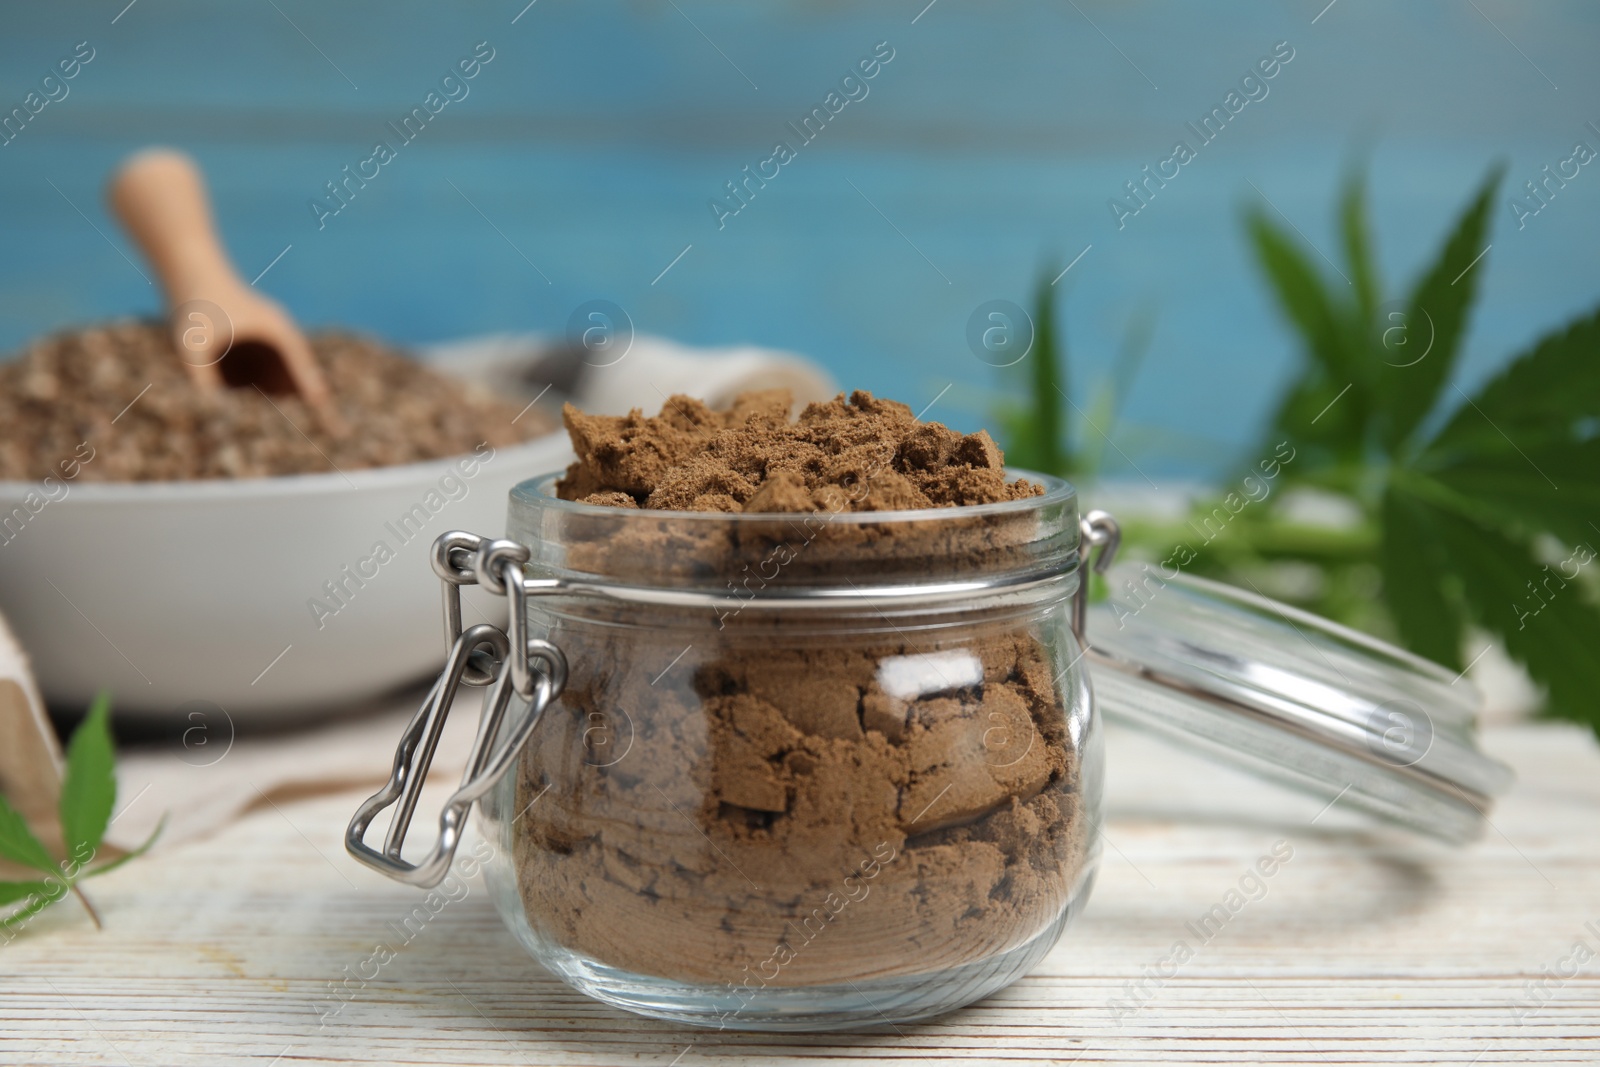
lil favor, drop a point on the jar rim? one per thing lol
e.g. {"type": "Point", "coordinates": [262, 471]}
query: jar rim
{"type": "Point", "coordinates": [968, 548]}
{"type": "Point", "coordinates": [539, 491]}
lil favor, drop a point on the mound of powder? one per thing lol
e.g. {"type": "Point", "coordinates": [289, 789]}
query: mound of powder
{"type": "Point", "coordinates": [119, 388]}
{"type": "Point", "coordinates": [784, 801]}
{"type": "Point", "coordinates": [751, 458]}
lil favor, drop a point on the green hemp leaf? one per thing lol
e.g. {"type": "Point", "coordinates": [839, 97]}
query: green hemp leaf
{"type": "Point", "coordinates": [1467, 514]}
{"type": "Point", "coordinates": [88, 791]}
{"type": "Point", "coordinates": [1485, 506]}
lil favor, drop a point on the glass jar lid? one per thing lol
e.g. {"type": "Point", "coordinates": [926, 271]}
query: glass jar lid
{"type": "Point", "coordinates": [1290, 696]}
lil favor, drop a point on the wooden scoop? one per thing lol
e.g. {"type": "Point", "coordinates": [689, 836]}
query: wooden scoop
{"type": "Point", "coordinates": [225, 332]}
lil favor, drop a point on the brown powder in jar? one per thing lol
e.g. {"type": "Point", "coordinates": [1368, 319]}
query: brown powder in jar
{"type": "Point", "coordinates": [751, 458]}
{"type": "Point", "coordinates": [834, 467]}
{"type": "Point", "coordinates": [783, 804]}
{"type": "Point", "coordinates": [120, 388]}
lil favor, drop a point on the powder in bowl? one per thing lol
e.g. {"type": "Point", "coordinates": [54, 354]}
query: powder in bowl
{"type": "Point", "coordinates": [120, 387]}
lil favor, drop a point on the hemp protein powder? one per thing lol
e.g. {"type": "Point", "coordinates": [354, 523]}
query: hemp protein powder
{"type": "Point", "coordinates": [117, 392]}
{"type": "Point", "coordinates": [784, 803]}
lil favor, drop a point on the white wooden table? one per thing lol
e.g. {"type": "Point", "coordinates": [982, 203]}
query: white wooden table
{"type": "Point", "coordinates": [1365, 948]}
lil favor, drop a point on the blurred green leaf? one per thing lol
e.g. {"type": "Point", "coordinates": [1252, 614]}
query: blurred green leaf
{"type": "Point", "coordinates": [1548, 393]}
{"type": "Point", "coordinates": [1301, 293]}
{"type": "Point", "coordinates": [1439, 305]}
{"type": "Point", "coordinates": [17, 842]}
{"type": "Point", "coordinates": [1554, 631]}
{"type": "Point", "coordinates": [1428, 536]}
{"type": "Point", "coordinates": [1357, 248]}
{"type": "Point", "coordinates": [1049, 371]}
{"type": "Point", "coordinates": [11, 892]}
{"type": "Point", "coordinates": [1518, 460]}
{"type": "Point", "coordinates": [1035, 431]}
{"type": "Point", "coordinates": [1413, 583]}
{"type": "Point", "coordinates": [1325, 407]}
{"type": "Point", "coordinates": [90, 786]}
{"type": "Point", "coordinates": [88, 791]}
{"type": "Point", "coordinates": [1554, 487]}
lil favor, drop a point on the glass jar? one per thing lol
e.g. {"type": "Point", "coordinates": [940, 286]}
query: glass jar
{"type": "Point", "coordinates": [827, 770]}
{"type": "Point", "coordinates": [821, 770]}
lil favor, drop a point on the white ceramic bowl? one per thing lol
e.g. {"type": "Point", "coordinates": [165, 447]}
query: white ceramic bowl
{"type": "Point", "coordinates": [170, 593]}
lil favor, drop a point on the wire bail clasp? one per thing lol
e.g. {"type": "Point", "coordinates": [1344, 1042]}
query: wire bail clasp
{"type": "Point", "coordinates": [1100, 532]}
{"type": "Point", "coordinates": [481, 655]}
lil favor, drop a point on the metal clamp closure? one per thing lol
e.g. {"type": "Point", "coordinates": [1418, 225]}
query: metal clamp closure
{"type": "Point", "coordinates": [480, 655]}
{"type": "Point", "coordinates": [1101, 533]}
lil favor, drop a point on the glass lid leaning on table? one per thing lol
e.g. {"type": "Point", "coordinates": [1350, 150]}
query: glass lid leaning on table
{"type": "Point", "coordinates": [1293, 697]}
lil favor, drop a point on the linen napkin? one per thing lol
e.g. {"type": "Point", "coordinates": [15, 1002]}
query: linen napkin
{"type": "Point", "coordinates": [640, 373]}
{"type": "Point", "coordinates": [199, 788]}
{"type": "Point", "coordinates": [30, 758]}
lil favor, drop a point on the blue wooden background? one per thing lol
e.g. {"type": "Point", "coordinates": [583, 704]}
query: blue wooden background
{"type": "Point", "coordinates": [594, 140]}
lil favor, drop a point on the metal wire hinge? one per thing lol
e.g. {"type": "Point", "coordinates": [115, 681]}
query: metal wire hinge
{"type": "Point", "coordinates": [1101, 537]}
{"type": "Point", "coordinates": [482, 655]}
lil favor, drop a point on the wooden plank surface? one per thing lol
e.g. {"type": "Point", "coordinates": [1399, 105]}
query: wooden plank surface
{"type": "Point", "coordinates": [1364, 948]}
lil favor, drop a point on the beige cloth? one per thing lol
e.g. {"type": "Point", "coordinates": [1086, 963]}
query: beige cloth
{"type": "Point", "coordinates": [211, 774]}
{"type": "Point", "coordinates": [201, 787]}
{"type": "Point", "coordinates": [30, 759]}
